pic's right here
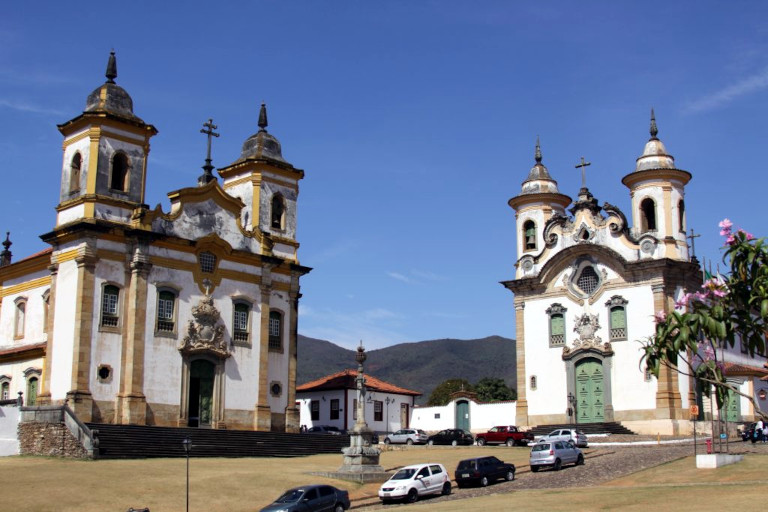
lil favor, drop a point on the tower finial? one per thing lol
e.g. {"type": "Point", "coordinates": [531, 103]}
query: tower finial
{"type": "Point", "coordinates": [654, 129]}
{"type": "Point", "coordinates": [5, 255]}
{"type": "Point", "coordinates": [537, 155]}
{"type": "Point", "coordinates": [111, 73]}
{"type": "Point", "coordinates": [263, 117]}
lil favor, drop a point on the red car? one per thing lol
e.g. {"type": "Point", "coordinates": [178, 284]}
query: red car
{"type": "Point", "coordinates": [505, 434]}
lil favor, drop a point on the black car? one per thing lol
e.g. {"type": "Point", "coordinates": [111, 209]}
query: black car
{"type": "Point", "coordinates": [482, 470]}
{"type": "Point", "coordinates": [311, 498]}
{"type": "Point", "coordinates": [452, 436]}
{"type": "Point", "coordinates": [326, 429]}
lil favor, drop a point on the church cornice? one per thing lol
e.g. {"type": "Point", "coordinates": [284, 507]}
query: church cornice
{"type": "Point", "coordinates": [260, 165]}
{"type": "Point", "coordinates": [96, 199]}
{"type": "Point", "coordinates": [558, 199]}
{"type": "Point", "coordinates": [108, 119]}
{"type": "Point", "coordinates": [665, 174]}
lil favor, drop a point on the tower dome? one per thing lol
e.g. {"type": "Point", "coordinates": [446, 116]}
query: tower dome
{"type": "Point", "coordinates": [655, 154]}
{"type": "Point", "coordinates": [262, 144]}
{"type": "Point", "coordinates": [111, 98]}
{"type": "Point", "coordinates": [539, 180]}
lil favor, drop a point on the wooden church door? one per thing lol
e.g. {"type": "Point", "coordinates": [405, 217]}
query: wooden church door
{"type": "Point", "coordinates": [589, 382]}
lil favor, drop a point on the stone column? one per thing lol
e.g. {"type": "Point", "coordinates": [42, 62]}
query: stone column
{"type": "Point", "coordinates": [668, 402]}
{"type": "Point", "coordinates": [291, 411]}
{"type": "Point", "coordinates": [79, 396]}
{"type": "Point", "coordinates": [44, 398]}
{"type": "Point", "coordinates": [522, 402]}
{"type": "Point", "coordinates": [262, 414]}
{"type": "Point", "coordinates": [131, 407]}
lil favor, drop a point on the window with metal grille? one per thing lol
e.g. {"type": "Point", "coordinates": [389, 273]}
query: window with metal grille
{"type": "Point", "coordinates": [378, 410]}
{"type": "Point", "coordinates": [275, 330]}
{"type": "Point", "coordinates": [588, 280]}
{"type": "Point", "coordinates": [335, 409]}
{"type": "Point", "coordinates": [618, 323]}
{"type": "Point", "coordinates": [314, 407]}
{"type": "Point", "coordinates": [166, 302]}
{"type": "Point", "coordinates": [557, 329]}
{"type": "Point", "coordinates": [207, 262]}
{"type": "Point", "coordinates": [240, 321]}
{"type": "Point", "coordinates": [109, 305]}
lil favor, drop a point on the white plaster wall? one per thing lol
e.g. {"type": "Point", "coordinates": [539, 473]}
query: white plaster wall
{"type": "Point", "coordinates": [324, 397]}
{"type": "Point", "coordinates": [484, 416]}
{"type": "Point", "coordinates": [15, 370]}
{"type": "Point", "coordinates": [9, 424]}
{"type": "Point", "coordinates": [269, 189]}
{"type": "Point", "coordinates": [113, 213]}
{"type": "Point", "coordinates": [70, 214]}
{"type": "Point", "coordinates": [390, 412]}
{"type": "Point", "coordinates": [278, 361]}
{"type": "Point", "coordinates": [64, 330]}
{"type": "Point", "coordinates": [106, 347]}
{"type": "Point", "coordinates": [434, 418]}
{"type": "Point", "coordinates": [243, 191]}
{"type": "Point", "coordinates": [81, 146]}
{"type": "Point", "coordinates": [34, 330]}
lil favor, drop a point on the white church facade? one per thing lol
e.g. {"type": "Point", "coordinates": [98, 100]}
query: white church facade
{"type": "Point", "coordinates": [587, 284]}
{"type": "Point", "coordinates": [140, 316]}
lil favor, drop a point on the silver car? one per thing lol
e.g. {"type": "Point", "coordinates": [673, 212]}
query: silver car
{"type": "Point", "coordinates": [567, 434]}
{"type": "Point", "coordinates": [407, 436]}
{"type": "Point", "coordinates": [554, 454]}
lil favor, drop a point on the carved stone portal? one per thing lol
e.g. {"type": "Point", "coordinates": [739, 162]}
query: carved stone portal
{"type": "Point", "coordinates": [586, 327]}
{"type": "Point", "coordinates": [204, 334]}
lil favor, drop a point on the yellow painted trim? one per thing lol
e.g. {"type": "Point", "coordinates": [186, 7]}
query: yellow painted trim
{"type": "Point", "coordinates": [93, 161]}
{"type": "Point", "coordinates": [173, 264]}
{"type": "Point", "coordinates": [25, 267]}
{"type": "Point", "coordinates": [65, 256]}
{"type": "Point", "coordinates": [95, 198]}
{"type": "Point", "coordinates": [256, 205]}
{"type": "Point", "coordinates": [106, 254]}
{"type": "Point", "coordinates": [244, 277]}
{"type": "Point", "coordinates": [24, 287]}
{"type": "Point", "coordinates": [72, 140]}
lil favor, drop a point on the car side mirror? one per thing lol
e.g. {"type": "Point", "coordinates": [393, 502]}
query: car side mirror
{"type": "Point", "coordinates": [419, 477]}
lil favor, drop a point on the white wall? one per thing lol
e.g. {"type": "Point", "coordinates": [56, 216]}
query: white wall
{"type": "Point", "coordinates": [482, 416]}
{"type": "Point", "coordinates": [390, 411]}
{"type": "Point", "coordinates": [9, 423]}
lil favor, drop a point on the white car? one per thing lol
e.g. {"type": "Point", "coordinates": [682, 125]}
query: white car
{"type": "Point", "coordinates": [576, 437]}
{"type": "Point", "coordinates": [411, 482]}
{"type": "Point", "coordinates": [407, 436]}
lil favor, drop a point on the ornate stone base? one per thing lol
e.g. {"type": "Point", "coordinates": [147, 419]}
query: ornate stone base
{"type": "Point", "coordinates": [262, 418]}
{"type": "Point", "coordinates": [131, 410]}
{"type": "Point", "coordinates": [81, 403]}
{"type": "Point", "coordinates": [361, 460]}
{"type": "Point", "coordinates": [292, 420]}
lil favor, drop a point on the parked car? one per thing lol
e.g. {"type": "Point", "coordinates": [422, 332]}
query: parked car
{"type": "Point", "coordinates": [411, 482]}
{"type": "Point", "coordinates": [566, 434]}
{"type": "Point", "coordinates": [749, 434]}
{"type": "Point", "coordinates": [554, 454]}
{"type": "Point", "coordinates": [505, 434]}
{"type": "Point", "coordinates": [452, 436]}
{"type": "Point", "coordinates": [326, 429]}
{"type": "Point", "coordinates": [407, 436]}
{"type": "Point", "coordinates": [311, 498]}
{"type": "Point", "coordinates": [482, 470]}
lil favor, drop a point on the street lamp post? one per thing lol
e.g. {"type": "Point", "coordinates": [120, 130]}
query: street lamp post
{"type": "Point", "coordinates": [187, 444]}
{"type": "Point", "coordinates": [571, 407]}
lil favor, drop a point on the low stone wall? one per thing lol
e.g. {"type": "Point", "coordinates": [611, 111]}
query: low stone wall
{"type": "Point", "coordinates": [49, 439]}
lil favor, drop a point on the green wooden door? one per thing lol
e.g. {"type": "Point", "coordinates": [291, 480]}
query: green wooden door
{"type": "Point", "coordinates": [589, 383]}
{"type": "Point", "coordinates": [462, 415]}
{"type": "Point", "coordinates": [201, 379]}
{"type": "Point", "coordinates": [732, 412]}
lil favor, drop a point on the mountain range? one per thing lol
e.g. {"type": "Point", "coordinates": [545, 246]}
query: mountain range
{"type": "Point", "coordinates": [419, 366]}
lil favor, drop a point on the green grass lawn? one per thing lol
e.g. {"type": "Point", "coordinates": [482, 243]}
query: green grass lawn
{"type": "Point", "coordinates": [235, 485]}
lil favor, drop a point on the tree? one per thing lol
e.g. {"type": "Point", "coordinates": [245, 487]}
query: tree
{"type": "Point", "coordinates": [491, 389]}
{"type": "Point", "coordinates": [441, 395]}
{"type": "Point", "coordinates": [727, 309]}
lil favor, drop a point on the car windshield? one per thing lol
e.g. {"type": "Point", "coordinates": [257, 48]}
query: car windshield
{"type": "Point", "coordinates": [541, 447]}
{"type": "Point", "coordinates": [291, 496]}
{"type": "Point", "coordinates": [404, 474]}
{"type": "Point", "coordinates": [467, 464]}
{"type": "Point", "coordinates": [332, 429]}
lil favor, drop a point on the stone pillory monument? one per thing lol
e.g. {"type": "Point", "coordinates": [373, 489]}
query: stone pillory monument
{"type": "Point", "coordinates": [137, 316]}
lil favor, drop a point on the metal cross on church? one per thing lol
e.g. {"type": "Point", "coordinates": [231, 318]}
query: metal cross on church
{"type": "Point", "coordinates": [692, 237]}
{"type": "Point", "coordinates": [207, 176]}
{"type": "Point", "coordinates": [583, 166]}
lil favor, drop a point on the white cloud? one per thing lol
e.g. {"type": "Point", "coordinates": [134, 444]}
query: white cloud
{"type": "Point", "coordinates": [429, 276]}
{"type": "Point", "coordinates": [728, 94]}
{"type": "Point", "coordinates": [399, 277]}
{"type": "Point", "coordinates": [377, 327]}
{"type": "Point", "coordinates": [27, 107]}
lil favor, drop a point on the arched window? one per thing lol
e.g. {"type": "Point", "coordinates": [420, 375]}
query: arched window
{"type": "Point", "coordinates": [617, 318]}
{"type": "Point", "coordinates": [681, 214]}
{"type": "Point", "coordinates": [119, 179]}
{"type": "Point", "coordinates": [33, 386]}
{"type": "Point", "coordinates": [166, 311]}
{"type": "Point", "coordinates": [110, 301]}
{"type": "Point", "coordinates": [20, 318]}
{"type": "Point", "coordinates": [647, 215]}
{"type": "Point", "coordinates": [5, 390]}
{"type": "Point", "coordinates": [533, 383]}
{"type": "Point", "coordinates": [74, 173]}
{"type": "Point", "coordinates": [275, 331]}
{"type": "Point", "coordinates": [241, 316]}
{"type": "Point", "coordinates": [556, 314]}
{"type": "Point", "coordinates": [529, 235]}
{"type": "Point", "coordinates": [278, 211]}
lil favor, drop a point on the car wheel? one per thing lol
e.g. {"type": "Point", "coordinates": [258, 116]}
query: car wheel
{"type": "Point", "coordinates": [409, 442]}
{"type": "Point", "coordinates": [510, 442]}
{"type": "Point", "coordinates": [558, 465]}
{"type": "Point", "coordinates": [446, 488]}
{"type": "Point", "coordinates": [580, 460]}
{"type": "Point", "coordinates": [480, 442]}
{"type": "Point", "coordinates": [412, 497]}
{"type": "Point", "coordinates": [454, 443]}
{"type": "Point", "coordinates": [386, 440]}
{"type": "Point", "coordinates": [535, 469]}
{"type": "Point", "coordinates": [510, 475]}
{"type": "Point", "coordinates": [338, 508]}
{"type": "Point", "coordinates": [484, 482]}
{"type": "Point", "coordinates": [431, 442]}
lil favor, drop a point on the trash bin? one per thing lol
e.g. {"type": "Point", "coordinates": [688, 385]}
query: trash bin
{"type": "Point", "coordinates": [709, 445]}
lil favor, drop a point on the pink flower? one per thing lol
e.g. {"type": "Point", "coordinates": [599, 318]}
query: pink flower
{"type": "Point", "coordinates": [725, 226]}
{"type": "Point", "coordinates": [709, 353]}
{"type": "Point", "coordinates": [748, 236]}
{"type": "Point", "coordinates": [730, 240]}
{"type": "Point", "coordinates": [719, 293]}
{"type": "Point", "coordinates": [660, 317]}
{"type": "Point", "coordinates": [682, 302]}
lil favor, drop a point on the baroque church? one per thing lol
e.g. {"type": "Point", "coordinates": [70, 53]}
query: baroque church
{"type": "Point", "coordinates": [587, 285]}
{"type": "Point", "coordinates": [140, 316]}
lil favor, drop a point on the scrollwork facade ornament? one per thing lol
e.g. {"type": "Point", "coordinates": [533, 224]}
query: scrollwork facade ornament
{"type": "Point", "coordinates": [204, 334]}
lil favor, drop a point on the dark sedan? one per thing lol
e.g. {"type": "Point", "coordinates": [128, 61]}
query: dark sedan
{"type": "Point", "coordinates": [311, 498]}
{"type": "Point", "coordinates": [452, 436]}
{"type": "Point", "coordinates": [482, 470]}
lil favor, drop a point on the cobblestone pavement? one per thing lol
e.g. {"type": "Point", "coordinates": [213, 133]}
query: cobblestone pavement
{"type": "Point", "coordinates": [602, 464]}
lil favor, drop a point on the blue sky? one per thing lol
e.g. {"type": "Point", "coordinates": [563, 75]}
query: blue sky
{"type": "Point", "coordinates": [414, 121]}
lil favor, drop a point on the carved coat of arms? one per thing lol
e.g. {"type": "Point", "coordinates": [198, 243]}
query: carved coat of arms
{"type": "Point", "coordinates": [204, 333]}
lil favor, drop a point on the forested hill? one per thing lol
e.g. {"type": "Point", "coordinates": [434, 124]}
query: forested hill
{"type": "Point", "coordinates": [419, 366]}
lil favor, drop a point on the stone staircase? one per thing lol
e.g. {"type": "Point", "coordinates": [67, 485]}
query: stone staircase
{"type": "Point", "coordinates": [136, 442]}
{"type": "Point", "coordinates": [587, 428]}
